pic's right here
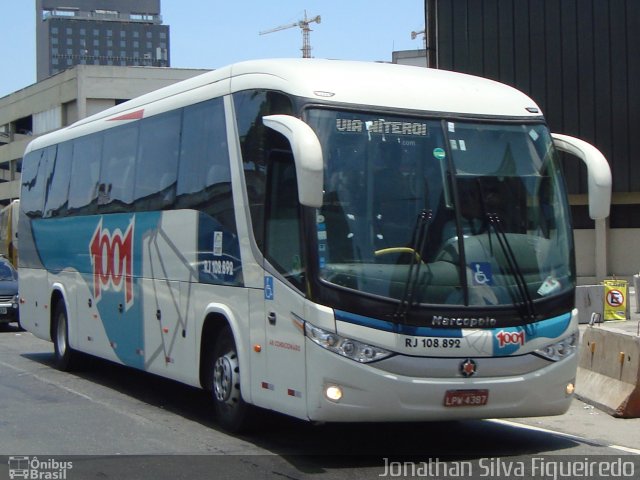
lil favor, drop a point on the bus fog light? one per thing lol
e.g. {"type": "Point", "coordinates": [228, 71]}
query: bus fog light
{"type": "Point", "coordinates": [333, 393]}
{"type": "Point", "coordinates": [570, 388]}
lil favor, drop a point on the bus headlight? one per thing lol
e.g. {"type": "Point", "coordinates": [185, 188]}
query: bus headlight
{"type": "Point", "coordinates": [347, 347]}
{"type": "Point", "coordinates": [559, 350]}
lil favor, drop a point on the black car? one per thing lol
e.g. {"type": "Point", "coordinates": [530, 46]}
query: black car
{"type": "Point", "coordinates": [8, 292]}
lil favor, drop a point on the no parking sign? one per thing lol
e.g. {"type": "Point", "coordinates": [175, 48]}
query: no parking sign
{"type": "Point", "coordinates": [615, 299]}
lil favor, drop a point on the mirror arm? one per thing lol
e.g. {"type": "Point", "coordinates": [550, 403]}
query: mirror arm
{"type": "Point", "coordinates": [307, 155]}
{"type": "Point", "coordinates": [599, 172]}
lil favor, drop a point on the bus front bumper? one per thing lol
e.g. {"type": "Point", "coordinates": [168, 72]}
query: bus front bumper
{"type": "Point", "coordinates": [369, 394]}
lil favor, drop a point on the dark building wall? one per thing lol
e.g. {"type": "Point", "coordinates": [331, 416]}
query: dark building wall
{"type": "Point", "coordinates": [578, 59]}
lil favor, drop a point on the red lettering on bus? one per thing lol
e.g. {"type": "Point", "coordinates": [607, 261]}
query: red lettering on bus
{"type": "Point", "coordinates": [510, 338]}
{"type": "Point", "coordinates": [112, 261]}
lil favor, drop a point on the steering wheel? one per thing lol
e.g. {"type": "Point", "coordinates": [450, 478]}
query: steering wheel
{"type": "Point", "coordinates": [391, 250]}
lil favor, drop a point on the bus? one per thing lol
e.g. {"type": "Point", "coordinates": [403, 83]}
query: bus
{"type": "Point", "coordinates": [9, 232]}
{"type": "Point", "coordinates": [337, 241]}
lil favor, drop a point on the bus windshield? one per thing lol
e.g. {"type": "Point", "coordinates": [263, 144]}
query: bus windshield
{"type": "Point", "coordinates": [442, 212]}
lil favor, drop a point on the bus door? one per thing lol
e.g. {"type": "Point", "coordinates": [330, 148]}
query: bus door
{"type": "Point", "coordinates": [283, 286]}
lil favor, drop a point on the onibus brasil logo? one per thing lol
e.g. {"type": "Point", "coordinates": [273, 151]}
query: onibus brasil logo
{"type": "Point", "coordinates": [33, 468]}
{"type": "Point", "coordinates": [112, 261]}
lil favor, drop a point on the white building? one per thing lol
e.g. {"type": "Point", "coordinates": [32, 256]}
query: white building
{"type": "Point", "coordinates": [64, 98]}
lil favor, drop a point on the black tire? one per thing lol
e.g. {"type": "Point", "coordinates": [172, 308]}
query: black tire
{"type": "Point", "coordinates": [65, 355]}
{"type": "Point", "coordinates": [232, 412]}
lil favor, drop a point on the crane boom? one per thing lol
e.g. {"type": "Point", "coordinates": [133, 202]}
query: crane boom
{"type": "Point", "coordinates": [277, 29]}
{"type": "Point", "coordinates": [422, 32]}
{"type": "Point", "coordinates": [304, 26]}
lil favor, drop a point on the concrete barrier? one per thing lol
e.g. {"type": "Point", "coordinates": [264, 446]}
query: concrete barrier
{"type": "Point", "coordinates": [609, 371]}
{"type": "Point", "coordinates": [589, 300]}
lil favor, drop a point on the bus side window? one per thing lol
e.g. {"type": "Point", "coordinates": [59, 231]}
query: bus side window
{"type": "Point", "coordinates": [256, 141]}
{"type": "Point", "coordinates": [157, 167]}
{"type": "Point", "coordinates": [85, 170]}
{"type": "Point", "coordinates": [204, 175]}
{"type": "Point", "coordinates": [115, 193]}
{"type": "Point", "coordinates": [282, 226]}
{"type": "Point", "coordinates": [58, 181]}
{"type": "Point", "coordinates": [33, 184]}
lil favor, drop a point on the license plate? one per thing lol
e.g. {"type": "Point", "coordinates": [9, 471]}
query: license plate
{"type": "Point", "coordinates": [466, 398]}
{"type": "Point", "coordinates": [3, 310]}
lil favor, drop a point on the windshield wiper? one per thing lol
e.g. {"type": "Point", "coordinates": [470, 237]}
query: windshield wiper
{"type": "Point", "coordinates": [418, 241]}
{"type": "Point", "coordinates": [512, 263]}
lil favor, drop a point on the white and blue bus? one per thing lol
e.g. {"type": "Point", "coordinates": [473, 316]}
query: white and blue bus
{"type": "Point", "coordinates": [337, 241]}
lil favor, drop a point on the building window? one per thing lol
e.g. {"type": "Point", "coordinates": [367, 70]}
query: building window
{"type": "Point", "coordinates": [54, 30]}
{"type": "Point", "coordinates": [96, 42]}
{"type": "Point", "coordinates": [83, 32]}
{"type": "Point", "coordinates": [69, 31]}
{"type": "Point", "coordinates": [54, 40]}
{"type": "Point", "coordinates": [69, 41]}
{"type": "Point", "coordinates": [109, 33]}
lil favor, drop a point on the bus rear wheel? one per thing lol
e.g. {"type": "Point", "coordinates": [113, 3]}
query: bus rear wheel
{"type": "Point", "coordinates": [64, 354]}
{"type": "Point", "coordinates": [231, 410]}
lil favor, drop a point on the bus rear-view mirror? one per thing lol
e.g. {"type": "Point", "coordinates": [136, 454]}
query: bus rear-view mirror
{"type": "Point", "coordinates": [599, 172]}
{"type": "Point", "coordinates": [307, 155]}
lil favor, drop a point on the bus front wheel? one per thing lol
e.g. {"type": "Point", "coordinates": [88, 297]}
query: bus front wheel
{"type": "Point", "coordinates": [64, 354]}
{"type": "Point", "coordinates": [231, 410]}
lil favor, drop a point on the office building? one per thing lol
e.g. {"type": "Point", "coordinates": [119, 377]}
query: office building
{"type": "Point", "coordinates": [99, 32]}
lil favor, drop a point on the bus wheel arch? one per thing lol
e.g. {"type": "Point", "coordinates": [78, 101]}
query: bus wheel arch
{"type": "Point", "coordinates": [57, 297]}
{"type": "Point", "coordinates": [64, 355]}
{"type": "Point", "coordinates": [213, 324]}
{"type": "Point", "coordinates": [220, 373]}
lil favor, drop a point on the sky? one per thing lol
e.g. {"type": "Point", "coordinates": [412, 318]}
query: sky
{"type": "Point", "coordinates": [213, 33]}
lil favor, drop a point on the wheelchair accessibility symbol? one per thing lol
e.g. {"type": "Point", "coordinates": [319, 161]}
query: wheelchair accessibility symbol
{"type": "Point", "coordinates": [268, 288]}
{"type": "Point", "coordinates": [482, 273]}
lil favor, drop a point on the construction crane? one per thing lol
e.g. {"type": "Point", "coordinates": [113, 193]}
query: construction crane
{"type": "Point", "coordinates": [304, 26]}
{"type": "Point", "coordinates": [414, 35]}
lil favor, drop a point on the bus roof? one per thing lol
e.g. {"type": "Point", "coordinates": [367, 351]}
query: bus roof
{"type": "Point", "coordinates": [393, 86]}
{"type": "Point", "coordinates": [379, 85]}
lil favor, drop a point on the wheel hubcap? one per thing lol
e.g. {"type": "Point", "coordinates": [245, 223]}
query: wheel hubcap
{"type": "Point", "coordinates": [225, 378]}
